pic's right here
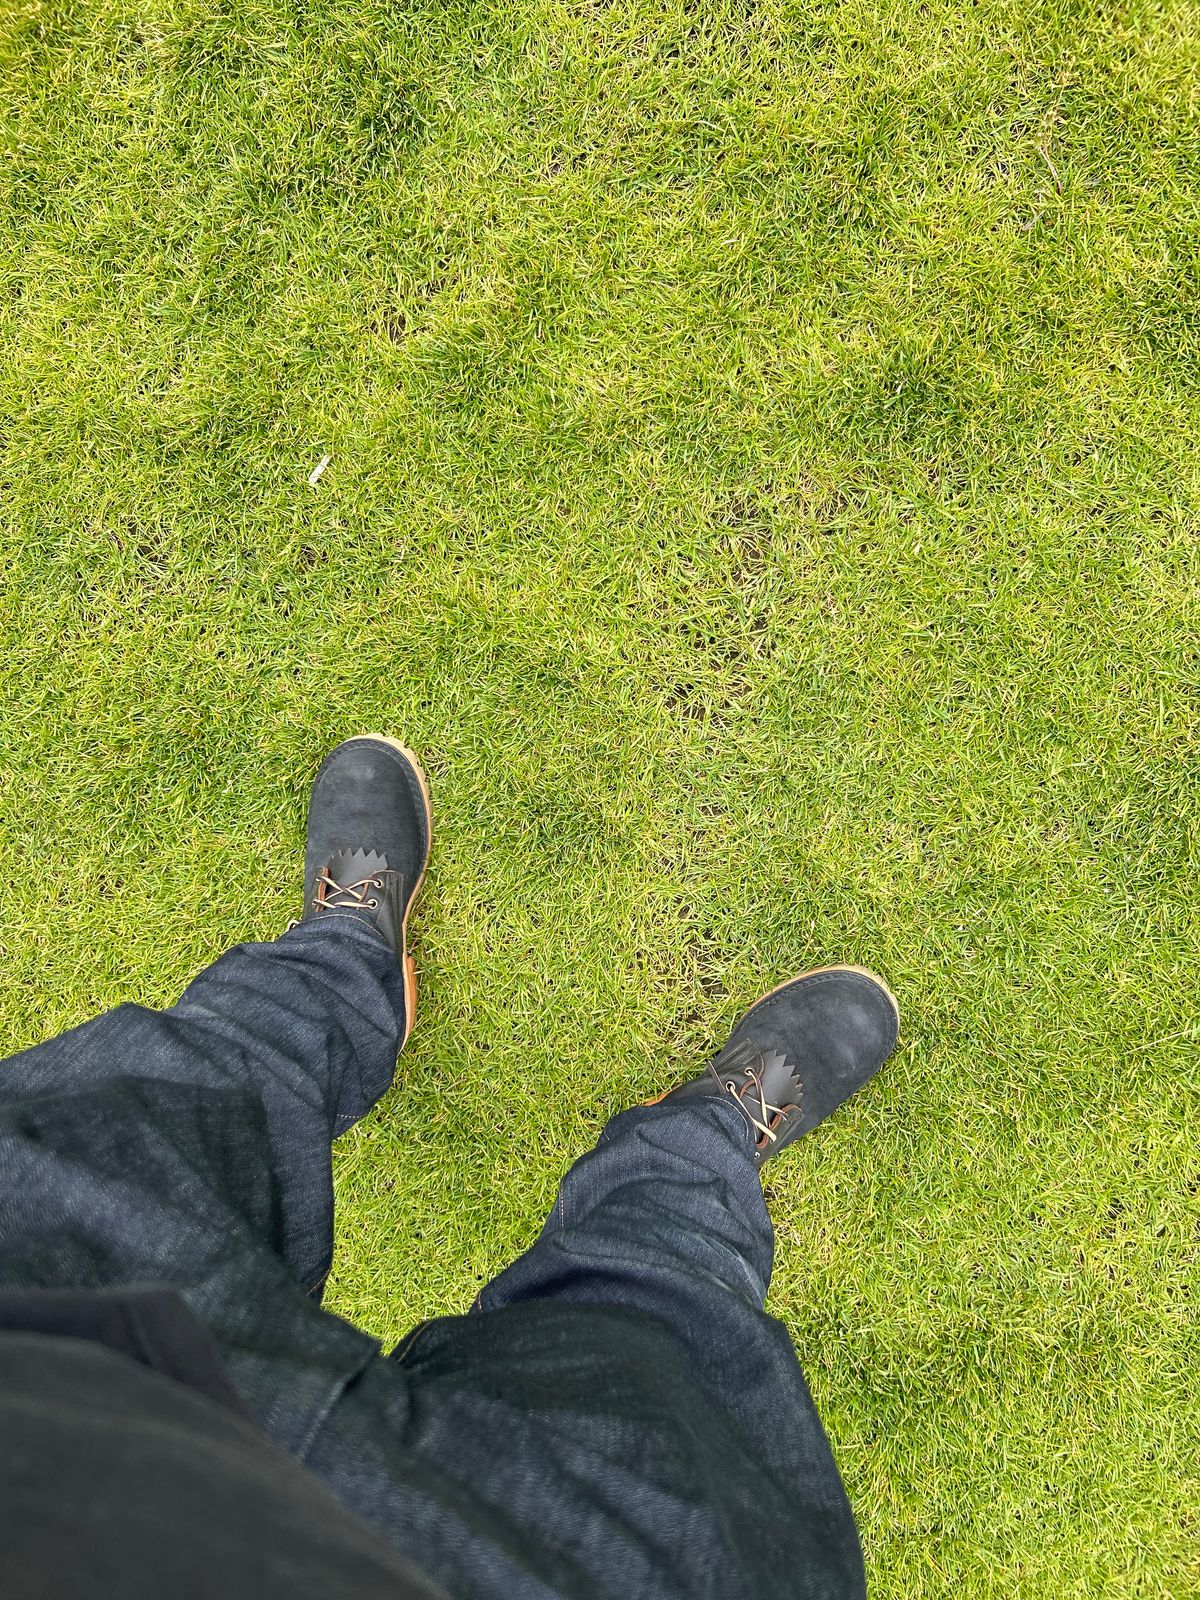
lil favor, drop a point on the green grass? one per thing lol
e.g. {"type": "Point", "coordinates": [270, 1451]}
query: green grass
{"type": "Point", "coordinates": [765, 485]}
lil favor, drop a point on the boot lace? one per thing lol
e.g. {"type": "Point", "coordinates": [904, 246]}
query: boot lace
{"type": "Point", "coordinates": [759, 1111]}
{"type": "Point", "coordinates": [331, 895]}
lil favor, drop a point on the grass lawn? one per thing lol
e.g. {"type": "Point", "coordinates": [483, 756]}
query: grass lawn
{"type": "Point", "coordinates": [764, 483]}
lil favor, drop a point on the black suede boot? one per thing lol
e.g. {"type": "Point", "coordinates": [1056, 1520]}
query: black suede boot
{"type": "Point", "coordinates": [799, 1052]}
{"type": "Point", "coordinates": [369, 829]}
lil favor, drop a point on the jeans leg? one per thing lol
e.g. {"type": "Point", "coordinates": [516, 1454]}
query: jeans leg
{"type": "Point", "coordinates": [191, 1147]}
{"type": "Point", "coordinates": [667, 1216]}
{"type": "Point", "coordinates": [619, 1413]}
{"type": "Point", "coordinates": [668, 1206]}
{"type": "Point", "coordinates": [307, 1027]}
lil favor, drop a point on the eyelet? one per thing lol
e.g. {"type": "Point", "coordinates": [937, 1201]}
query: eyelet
{"type": "Point", "coordinates": [373, 904]}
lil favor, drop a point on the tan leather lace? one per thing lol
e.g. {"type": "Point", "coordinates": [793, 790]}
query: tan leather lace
{"type": "Point", "coordinates": [331, 895]}
{"type": "Point", "coordinates": [764, 1128]}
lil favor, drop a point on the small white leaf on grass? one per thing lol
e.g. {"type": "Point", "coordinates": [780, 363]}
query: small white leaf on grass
{"type": "Point", "coordinates": [318, 470]}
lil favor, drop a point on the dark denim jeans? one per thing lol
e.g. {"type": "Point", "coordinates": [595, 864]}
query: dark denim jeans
{"type": "Point", "coordinates": [618, 1417]}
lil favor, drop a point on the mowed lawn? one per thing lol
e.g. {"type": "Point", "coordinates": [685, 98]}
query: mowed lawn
{"type": "Point", "coordinates": [764, 483]}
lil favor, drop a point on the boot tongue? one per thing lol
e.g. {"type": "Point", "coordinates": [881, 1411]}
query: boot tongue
{"type": "Point", "coordinates": [348, 867]}
{"type": "Point", "coordinates": [354, 880]}
{"type": "Point", "coordinates": [770, 1067]}
{"type": "Point", "coordinates": [737, 1057]}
